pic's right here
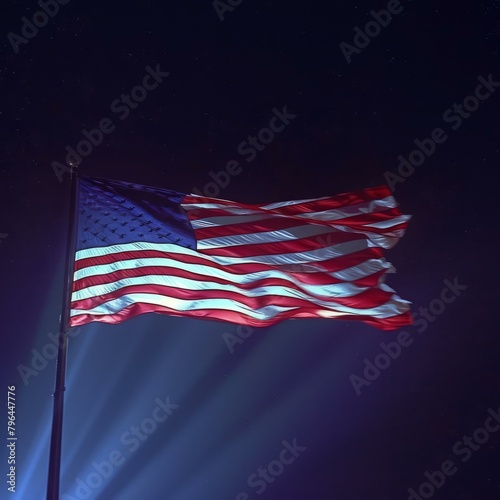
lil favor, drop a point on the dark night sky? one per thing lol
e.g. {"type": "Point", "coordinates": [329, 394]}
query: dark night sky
{"type": "Point", "coordinates": [293, 381]}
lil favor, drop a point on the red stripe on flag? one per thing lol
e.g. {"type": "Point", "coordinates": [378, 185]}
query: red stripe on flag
{"type": "Point", "coordinates": [387, 324]}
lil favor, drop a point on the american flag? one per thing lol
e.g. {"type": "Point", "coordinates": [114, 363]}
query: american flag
{"type": "Point", "coordinates": [144, 249]}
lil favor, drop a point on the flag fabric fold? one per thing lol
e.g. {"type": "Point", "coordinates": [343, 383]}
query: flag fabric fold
{"type": "Point", "coordinates": [144, 249]}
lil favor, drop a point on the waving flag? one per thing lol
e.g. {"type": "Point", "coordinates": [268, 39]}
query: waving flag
{"type": "Point", "coordinates": [143, 249]}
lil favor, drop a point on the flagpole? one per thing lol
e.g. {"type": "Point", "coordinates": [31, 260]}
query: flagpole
{"type": "Point", "coordinates": [62, 351]}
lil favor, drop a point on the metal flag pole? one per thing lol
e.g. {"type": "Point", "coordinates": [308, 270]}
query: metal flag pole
{"type": "Point", "coordinates": [57, 416]}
